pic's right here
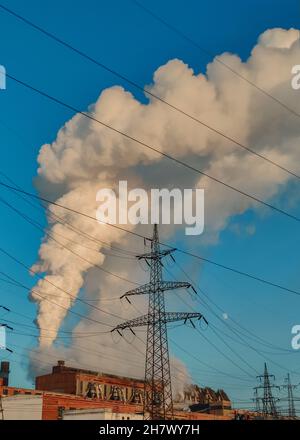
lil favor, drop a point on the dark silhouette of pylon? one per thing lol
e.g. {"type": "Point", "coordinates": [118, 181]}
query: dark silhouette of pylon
{"type": "Point", "coordinates": [291, 403]}
{"type": "Point", "coordinates": [158, 402]}
{"type": "Point", "coordinates": [268, 401]}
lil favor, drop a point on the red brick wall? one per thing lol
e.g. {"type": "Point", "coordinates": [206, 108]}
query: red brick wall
{"type": "Point", "coordinates": [121, 381]}
{"type": "Point", "coordinates": [58, 382]}
{"type": "Point", "coordinates": [52, 403]}
{"type": "Point", "coordinates": [12, 391]}
{"type": "Point", "coordinates": [65, 381]}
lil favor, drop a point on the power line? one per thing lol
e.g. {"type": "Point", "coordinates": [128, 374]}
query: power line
{"type": "Point", "coordinates": [90, 352]}
{"type": "Point", "coordinates": [261, 341]}
{"type": "Point", "coordinates": [120, 318]}
{"type": "Point", "coordinates": [42, 362]}
{"type": "Point", "coordinates": [87, 334]}
{"type": "Point", "coordinates": [202, 362]}
{"type": "Point", "coordinates": [79, 348]}
{"type": "Point", "coordinates": [253, 335]}
{"type": "Point", "coordinates": [220, 372]}
{"type": "Point", "coordinates": [221, 352]}
{"type": "Point", "coordinates": [107, 332]}
{"type": "Point", "coordinates": [224, 342]}
{"type": "Point", "coordinates": [224, 354]}
{"type": "Point", "coordinates": [37, 292]}
{"type": "Point", "coordinates": [238, 272]}
{"type": "Point", "coordinates": [139, 87]}
{"type": "Point", "coordinates": [100, 354]}
{"type": "Point", "coordinates": [65, 223]}
{"type": "Point", "coordinates": [36, 225]}
{"type": "Point", "coordinates": [243, 341]}
{"type": "Point", "coordinates": [54, 285]}
{"type": "Point", "coordinates": [69, 333]}
{"type": "Point", "coordinates": [254, 349]}
{"type": "Point", "coordinates": [184, 252]}
{"type": "Point", "coordinates": [151, 148]}
{"type": "Point", "coordinates": [197, 359]}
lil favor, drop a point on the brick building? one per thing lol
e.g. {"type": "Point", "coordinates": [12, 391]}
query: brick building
{"type": "Point", "coordinates": [91, 384]}
{"type": "Point", "coordinates": [68, 389]}
{"type": "Point", "coordinates": [54, 403]}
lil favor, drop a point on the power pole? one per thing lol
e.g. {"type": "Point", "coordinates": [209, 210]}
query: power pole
{"type": "Point", "coordinates": [158, 402]}
{"type": "Point", "coordinates": [290, 387]}
{"type": "Point", "coordinates": [268, 401]}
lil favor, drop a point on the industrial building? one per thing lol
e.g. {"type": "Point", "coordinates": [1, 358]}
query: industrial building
{"type": "Point", "coordinates": [73, 393]}
{"type": "Point", "coordinates": [91, 384]}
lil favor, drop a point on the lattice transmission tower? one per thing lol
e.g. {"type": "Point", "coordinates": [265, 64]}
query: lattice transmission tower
{"type": "Point", "coordinates": [291, 402]}
{"type": "Point", "coordinates": [158, 402]}
{"type": "Point", "coordinates": [268, 401]}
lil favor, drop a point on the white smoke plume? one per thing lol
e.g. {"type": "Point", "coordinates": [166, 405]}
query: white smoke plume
{"type": "Point", "coordinates": [87, 156]}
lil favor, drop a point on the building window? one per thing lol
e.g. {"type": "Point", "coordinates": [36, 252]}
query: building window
{"type": "Point", "coordinates": [16, 392]}
{"type": "Point", "coordinates": [5, 391]}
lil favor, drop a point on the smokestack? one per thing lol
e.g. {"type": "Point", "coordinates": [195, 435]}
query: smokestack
{"type": "Point", "coordinates": [4, 372]}
{"type": "Point", "coordinates": [59, 367]}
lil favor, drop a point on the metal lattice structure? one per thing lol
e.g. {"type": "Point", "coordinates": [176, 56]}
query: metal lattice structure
{"type": "Point", "coordinates": [290, 387]}
{"type": "Point", "coordinates": [268, 401]}
{"type": "Point", "coordinates": [158, 402]}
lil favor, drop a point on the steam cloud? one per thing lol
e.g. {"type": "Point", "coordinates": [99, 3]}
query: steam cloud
{"type": "Point", "coordinates": [87, 156]}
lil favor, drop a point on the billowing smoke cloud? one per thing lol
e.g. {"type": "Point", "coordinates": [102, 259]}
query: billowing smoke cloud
{"type": "Point", "coordinates": [87, 156]}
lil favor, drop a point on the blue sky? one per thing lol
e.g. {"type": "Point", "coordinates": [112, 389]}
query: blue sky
{"type": "Point", "coordinates": [130, 41]}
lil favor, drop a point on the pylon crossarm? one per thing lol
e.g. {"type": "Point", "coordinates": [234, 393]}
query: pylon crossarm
{"type": "Point", "coordinates": [155, 255]}
{"type": "Point", "coordinates": [180, 316]}
{"type": "Point", "coordinates": [162, 317]}
{"type": "Point", "coordinates": [163, 286]}
{"type": "Point", "coordinates": [141, 290]}
{"type": "Point", "coordinates": [137, 322]}
{"type": "Point", "coordinates": [171, 285]}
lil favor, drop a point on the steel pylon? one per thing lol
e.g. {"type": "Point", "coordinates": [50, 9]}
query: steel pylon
{"type": "Point", "coordinates": [268, 401]}
{"type": "Point", "coordinates": [290, 387]}
{"type": "Point", "coordinates": [158, 401]}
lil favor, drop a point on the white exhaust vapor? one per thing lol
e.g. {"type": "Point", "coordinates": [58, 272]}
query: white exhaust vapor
{"type": "Point", "coordinates": [86, 157]}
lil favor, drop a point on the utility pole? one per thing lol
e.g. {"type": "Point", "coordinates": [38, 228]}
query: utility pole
{"type": "Point", "coordinates": [290, 387]}
{"type": "Point", "coordinates": [268, 401]}
{"type": "Point", "coordinates": [158, 402]}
